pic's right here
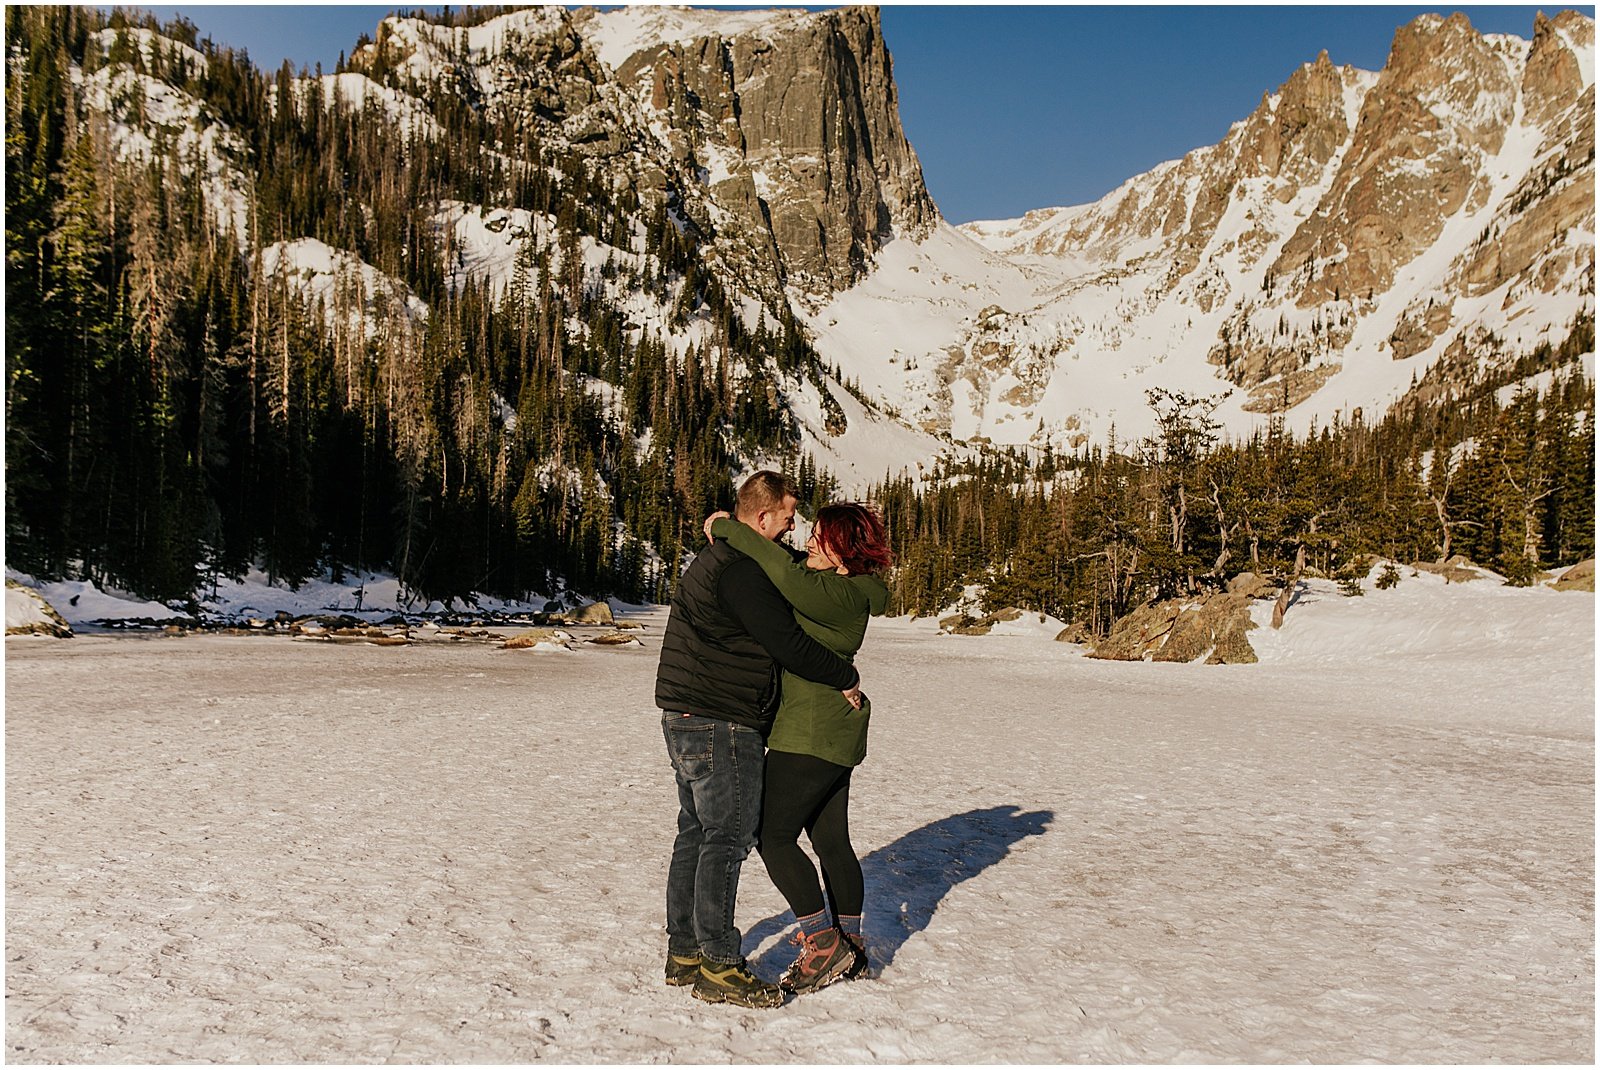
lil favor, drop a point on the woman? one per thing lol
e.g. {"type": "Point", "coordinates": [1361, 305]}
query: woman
{"type": "Point", "coordinates": [818, 737]}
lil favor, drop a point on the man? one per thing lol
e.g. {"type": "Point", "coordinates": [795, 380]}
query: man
{"type": "Point", "coordinates": [729, 635]}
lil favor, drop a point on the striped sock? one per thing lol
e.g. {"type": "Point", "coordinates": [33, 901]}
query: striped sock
{"type": "Point", "coordinates": [851, 924]}
{"type": "Point", "coordinates": [814, 925]}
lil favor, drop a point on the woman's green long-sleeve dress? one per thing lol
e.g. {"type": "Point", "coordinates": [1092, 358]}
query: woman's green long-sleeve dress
{"type": "Point", "coordinates": [833, 609]}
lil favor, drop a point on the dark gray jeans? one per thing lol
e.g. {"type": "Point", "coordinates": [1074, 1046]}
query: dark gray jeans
{"type": "Point", "coordinates": [718, 766]}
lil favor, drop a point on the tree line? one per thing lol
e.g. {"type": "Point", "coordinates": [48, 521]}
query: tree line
{"type": "Point", "coordinates": [1090, 536]}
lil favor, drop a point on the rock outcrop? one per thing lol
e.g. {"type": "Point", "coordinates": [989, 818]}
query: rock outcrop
{"type": "Point", "coordinates": [1456, 570]}
{"type": "Point", "coordinates": [1579, 577]}
{"type": "Point", "coordinates": [966, 624]}
{"type": "Point", "coordinates": [1212, 627]}
{"type": "Point", "coordinates": [796, 128]}
{"type": "Point", "coordinates": [593, 613]}
{"type": "Point", "coordinates": [775, 134]}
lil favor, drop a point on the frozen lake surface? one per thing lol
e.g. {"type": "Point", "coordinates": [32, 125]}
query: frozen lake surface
{"type": "Point", "coordinates": [1376, 845]}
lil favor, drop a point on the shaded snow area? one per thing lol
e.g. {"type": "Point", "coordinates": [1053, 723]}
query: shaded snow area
{"type": "Point", "coordinates": [82, 601]}
{"type": "Point", "coordinates": [369, 595]}
{"type": "Point", "coordinates": [1375, 845]}
{"type": "Point", "coordinates": [345, 283]}
{"type": "Point", "coordinates": [28, 613]}
{"type": "Point", "coordinates": [372, 596]}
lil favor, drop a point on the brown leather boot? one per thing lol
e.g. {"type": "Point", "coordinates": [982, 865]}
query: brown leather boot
{"type": "Point", "coordinates": [823, 960]}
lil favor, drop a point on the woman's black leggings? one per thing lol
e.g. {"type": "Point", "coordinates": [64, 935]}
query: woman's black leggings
{"type": "Point", "coordinates": [806, 792]}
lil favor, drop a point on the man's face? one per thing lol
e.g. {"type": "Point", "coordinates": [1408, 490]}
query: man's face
{"type": "Point", "coordinates": [777, 522]}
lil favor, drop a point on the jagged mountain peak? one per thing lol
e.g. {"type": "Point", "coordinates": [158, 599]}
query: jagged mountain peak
{"type": "Point", "coordinates": [1355, 230]}
{"type": "Point", "coordinates": [775, 132]}
{"type": "Point", "coordinates": [619, 34]}
{"type": "Point", "coordinates": [792, 119]}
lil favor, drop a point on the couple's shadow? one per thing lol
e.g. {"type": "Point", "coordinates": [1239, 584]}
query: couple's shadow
{"type": "Point", "coordinates": [906, 880]}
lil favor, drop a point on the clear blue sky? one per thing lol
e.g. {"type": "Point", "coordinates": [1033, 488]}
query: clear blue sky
{"type": "Point", "coordinates": [1012, 108]}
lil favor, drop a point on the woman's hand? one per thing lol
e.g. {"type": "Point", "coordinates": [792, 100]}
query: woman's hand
{"type": "Point", "coordinates": [718, 515]}
{"type": "Point", "coordinates": [853, 696]}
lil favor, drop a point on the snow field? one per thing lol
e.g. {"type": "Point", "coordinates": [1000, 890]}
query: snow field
{"type": "Point", "coordinates": [251, 849]}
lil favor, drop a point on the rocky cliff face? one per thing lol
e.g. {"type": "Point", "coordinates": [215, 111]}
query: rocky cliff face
{"type": "Point", "coordinates": [1458, 128]}
{"type": "Point", "coordinates": [795, 126]}
{"type": "Point", "coordinates": [1338, 243]}
{"type": "Point", "coordinates": [777, 133]}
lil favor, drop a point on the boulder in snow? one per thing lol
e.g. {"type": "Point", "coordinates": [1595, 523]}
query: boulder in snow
{"type": "Point", "coordinates": [594, 613]}
{"type": "Point", "coordinates": [1253, 585]}
{"type": "Point", "coordinates": [1073, 633]}
{"type": "Point", "coordinates": [1579, 577]}
{"type": "Point", "coordinates": [966, 624]}
{"type": "Point", "coordinates": [1211, 626]}
{"type": "Point", "coordinates": [538, 637]}
{"type": "Point", "coordinates": [1456, 570]}
{"type": "Point", "coordinates": [615, 639]}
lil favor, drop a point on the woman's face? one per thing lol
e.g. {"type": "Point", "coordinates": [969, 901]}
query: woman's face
{"type": "Point", "coordinates": [818, 556]}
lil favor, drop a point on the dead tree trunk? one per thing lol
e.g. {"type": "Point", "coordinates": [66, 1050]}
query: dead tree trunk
{"type": "Point", "coordinates": [1288, 590]}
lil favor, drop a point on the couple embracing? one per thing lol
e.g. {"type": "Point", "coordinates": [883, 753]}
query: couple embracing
{"type": "Point", "coordinates": [756, 656]}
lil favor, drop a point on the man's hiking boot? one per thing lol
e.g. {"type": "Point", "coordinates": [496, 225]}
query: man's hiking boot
{"type": "Point", "coordinates": [683, 969]}
{"type": "Point", "coordinates": [824, 959]}
{"type": "Point", "coordinates": [734, 983]}
{"type": "Point", "coordinates": [859, 966]}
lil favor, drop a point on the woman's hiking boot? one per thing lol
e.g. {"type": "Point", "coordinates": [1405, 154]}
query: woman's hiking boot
{"type": "Point", "coordinates": [734, 983]}
{"type": "Point", "coordinates": [824, 958]}
{"type": "Point", "coordinates": [683, 969]}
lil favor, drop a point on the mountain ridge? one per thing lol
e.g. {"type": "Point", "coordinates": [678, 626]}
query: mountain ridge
{"type": "Point", "coordinates": [1365, 153]}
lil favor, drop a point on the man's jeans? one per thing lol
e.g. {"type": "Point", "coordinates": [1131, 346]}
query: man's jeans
{"type": "Point", "coordinates": [718, 766]}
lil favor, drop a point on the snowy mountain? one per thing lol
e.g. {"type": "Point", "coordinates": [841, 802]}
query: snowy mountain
{"type": "Point", "coordinates": [1355, 232]}
{"type": "Point", "coordinates": [754, 126]}
{"type": "Point", "coordinates": [1358, 231]}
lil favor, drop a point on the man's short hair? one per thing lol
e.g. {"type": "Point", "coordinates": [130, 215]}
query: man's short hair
{"type": "Point", "coordinates": [764, 490]}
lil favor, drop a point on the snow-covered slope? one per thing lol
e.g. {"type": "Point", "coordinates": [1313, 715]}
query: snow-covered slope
{"type": "Point", "coordinates": [358, 92]}
{"type": "Point", "coordinates": [369, 300]}
{"type": "Point", "coordinates": [621, 33]}
{"type": "Point", "coordinates": [83, 601]}
{"type": "Point", "coordinates": [1353, 232]}
{"type": "Point", "coordinates": [146, 118]}
{"type": "Point", "coordinates": [28, 613]}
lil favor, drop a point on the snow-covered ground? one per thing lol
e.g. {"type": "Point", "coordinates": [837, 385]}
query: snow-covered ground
{"type": "Point", "coordinates": [1375, 845]}
{"type": "Point", "coordinates": [370, 596]}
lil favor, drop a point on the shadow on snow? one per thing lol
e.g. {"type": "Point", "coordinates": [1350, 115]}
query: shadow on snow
{"type": "Point", "coordinates": [907, 879]}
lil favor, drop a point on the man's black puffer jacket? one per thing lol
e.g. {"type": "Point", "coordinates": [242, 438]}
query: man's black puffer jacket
{"type": "Point", "coordinates": [729, 633]}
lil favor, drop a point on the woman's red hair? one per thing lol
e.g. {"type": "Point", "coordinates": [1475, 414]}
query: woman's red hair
{"type": "Point", "coordinates": [855, 534]}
